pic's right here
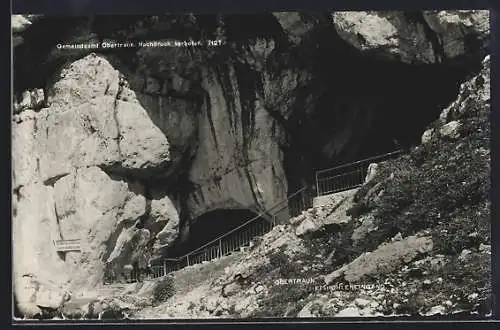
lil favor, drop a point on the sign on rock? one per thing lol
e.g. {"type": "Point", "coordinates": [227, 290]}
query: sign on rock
{"type": "Point", "coordinates": [67, 245]}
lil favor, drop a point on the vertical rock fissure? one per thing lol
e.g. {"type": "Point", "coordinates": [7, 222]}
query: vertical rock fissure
{"type": "Point", "coordinates": [116, 104]}
{"type": "Point", "coordinates": [436, 43]}
{"type": "Point", "coordinates": [57, 220]}
{"type": "Point", "coordinates": [58, 230]}
{"type": "Point", "coordinates": [246, 83]}
{"type": "Point", "coordinates": [208, 107]}
{"type": "Point", "coordinates": [228, 93]}
{"type": "Point", "coordinates": [146, 217]}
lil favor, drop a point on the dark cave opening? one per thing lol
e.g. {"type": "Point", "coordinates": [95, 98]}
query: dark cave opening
{"type": "Point", "coordinates": [243, 28]}
{"type": "Point", "coordinates": [208, 227]}
{"type": "Point", "coordinates": [369, 106]}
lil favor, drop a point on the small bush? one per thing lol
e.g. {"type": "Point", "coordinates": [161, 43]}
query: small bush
{"type": "Point", "coordinates": [418, 156]}
{"type": "Point", "coordinates": [113, 312]}
{"type": "Point", "coordinates": [163, 290]}
{"type": "Point", "coordinates": [465, 283]}
{"type": "Point", "coordinates": [279, 261]}
{"type": "Point", "coordinates": [358, 209]}
{"type": "Point", "coordinates": [283, 301]}
{"type": "Point", "coordinates": [464, 231]}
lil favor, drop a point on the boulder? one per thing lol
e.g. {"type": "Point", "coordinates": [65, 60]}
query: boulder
{"type": "Point", "coordinates": [451, 130]}
{"type": "Point", "coordinates": [427, 37]}
{"type": "Point", "coordinates": [366, 226]}
{"type": "Point", "coordinates": [385, 259]}
{"type": "Point", "coordinates": [334, 214]}
{"type": "Point", "coordinates": [294, 24]}
{"type": "Point", "coordinates": [20, 23]}
{"type": "Point", "coordinates": [34, 295]}
{"type": "Point", "coordinates": [436, 310]}
{"type": "Point", "coordinates": [454, 27]}
{"type": "Point", "coordinates": [427, 136]}
{"type": "Point", "coordinates": [362, 303]}
{"type": "Point", "coordinates": [86, 126]}
{"type": "Point", "coordinates": [349, 312]}
{"type": "Point", "coordinates": [95, 207]}
{"type": "Point", "coordinates": [473, 96]}
{"type": "Point", "coordinates": [372, 172]}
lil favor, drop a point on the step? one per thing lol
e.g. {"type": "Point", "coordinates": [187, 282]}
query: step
{"type": "Point", "coordinates": [332, 198]}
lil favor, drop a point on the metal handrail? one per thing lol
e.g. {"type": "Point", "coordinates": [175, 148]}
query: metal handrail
{"type": "Point", "coordinates": [393, 153]}
{"type": "Point", "coordinates": [323, 181]}
{"type": "Point", "coordinates": [208, 250]}
{"type": "Point", "coordinates": [196, 252]}
{"type": "Point", "coordinates": [333, 191]}
{"type": "Point", "coordinates": [260, 215]}
{"type": "Point", "coordinates": [339, 175]}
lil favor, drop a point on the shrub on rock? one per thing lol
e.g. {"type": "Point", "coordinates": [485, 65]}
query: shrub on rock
{"type": "Point", "coordinates": [163, 290]}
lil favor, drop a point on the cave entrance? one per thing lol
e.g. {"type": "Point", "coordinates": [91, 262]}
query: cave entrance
{"type": "Point", "coordinates": [210, 226]}
{"type": "Point", "coordinates": [365, 107]}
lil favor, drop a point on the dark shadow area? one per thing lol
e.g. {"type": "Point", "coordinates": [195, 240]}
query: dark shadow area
{"type": "Point", "coordinates": [61, 255]}
{"type": "Point", "coordinates": [37, 58]}
{"type": "Point", "coordinates": [210, 226]}
{"type": "Point", "coordinates": [32, 63]}
{"type": "Point", "coordinates": [243, 28]}
{"type": "Point", "coordinates": [17, 312]}
{"type": "Point", "coordinates": [369, 107]}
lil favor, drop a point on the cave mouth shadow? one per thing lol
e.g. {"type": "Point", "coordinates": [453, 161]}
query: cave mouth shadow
{"type": "Point", "coordinates": [370, 106]}
{"type": "Point", "coordinates": [209, 226]}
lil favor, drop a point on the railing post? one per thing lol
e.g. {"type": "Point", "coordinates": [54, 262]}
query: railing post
{"type": "Point", "coordinates": [303, 195]}
{"type": "Point", "coordinates": [164, 267]}
{"type": "Point", "coordinates": [317, 183]}
{"type": "Point", "coordinates": [187, 258]}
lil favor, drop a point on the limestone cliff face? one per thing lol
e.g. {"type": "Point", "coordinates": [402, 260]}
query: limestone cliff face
{"type": "Point", "coordinates": [78, 165]}
{"type": "Point", "coordinates": [215, 118]}
{"type": "Point", "coordinates": [113, 146]}
{"type": "Point", "coordinates": [239, 163]}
